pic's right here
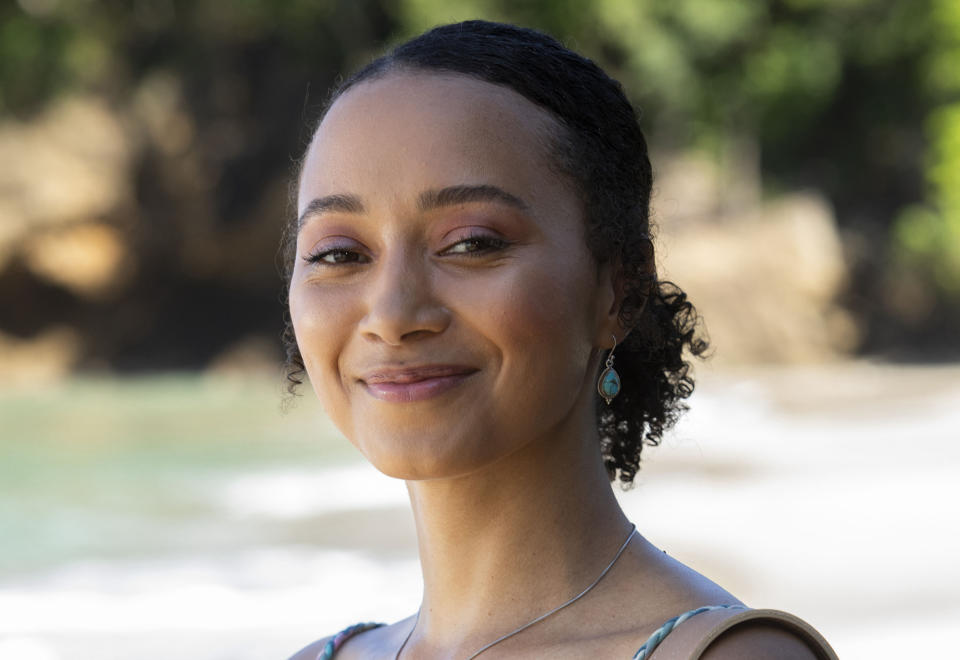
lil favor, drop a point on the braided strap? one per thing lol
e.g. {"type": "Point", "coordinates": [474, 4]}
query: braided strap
{"type": "Point", "coordinates": [337, 640]}
{"type": "Point", "coordinates": [654, 640]}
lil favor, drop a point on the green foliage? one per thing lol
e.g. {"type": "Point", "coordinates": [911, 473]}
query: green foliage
{"type": "Point", "coordinates": [943, 70]}
{"type": "Point", "coordinates": [927, 236]}
{"type": "Point", "coordinates": [857, 98]}
{"type": "Point", "coordinates": [48, 46]}
{"type": "Point", "coordinates": [31, 54]}
{"type": "Point", "coordinates": [858, 78]}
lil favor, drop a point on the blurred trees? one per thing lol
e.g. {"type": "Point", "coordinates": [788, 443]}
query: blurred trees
{"type": "Point", "coordinates": [928, 233]}
{"type": "Point", "coordinates": [855, 98]}
{"type": "Point", "coordinates": [859, 99]}
{"type": "Point", "coordinates": [212, 100]}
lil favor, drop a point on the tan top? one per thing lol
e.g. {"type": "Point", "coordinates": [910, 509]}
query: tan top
{"type": "Point", "coordinates": [689, 640]}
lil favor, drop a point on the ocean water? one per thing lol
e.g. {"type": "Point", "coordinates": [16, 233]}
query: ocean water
{"type": "Point", "coordinates": [183, 516]}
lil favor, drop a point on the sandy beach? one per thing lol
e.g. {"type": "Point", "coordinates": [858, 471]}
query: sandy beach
{"type": "Point", "coordinates": [828, 491]}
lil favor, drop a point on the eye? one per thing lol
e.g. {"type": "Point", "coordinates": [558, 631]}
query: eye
{"type": "Point", "coordinates": [335, 256]}
{"type": "Point", "coordinates": [476, 245]}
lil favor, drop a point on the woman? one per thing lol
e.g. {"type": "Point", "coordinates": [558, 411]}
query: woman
{"type": "Point", "coordinates": [473, 295]}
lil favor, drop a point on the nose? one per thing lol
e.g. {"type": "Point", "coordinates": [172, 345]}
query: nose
{"type": "Point", "coordinates": [401, 304]}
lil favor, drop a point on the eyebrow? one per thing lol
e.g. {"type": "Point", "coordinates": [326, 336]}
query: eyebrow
{"type": "Point", "coordinates": [328, 204]}
{"type": "Point", "coordinates": [427, 201]}
{"type": "Point", "coordinates": [454, 195]}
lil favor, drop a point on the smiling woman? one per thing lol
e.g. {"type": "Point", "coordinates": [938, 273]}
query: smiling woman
{"type": "Point", "coordinates": [472, 241]}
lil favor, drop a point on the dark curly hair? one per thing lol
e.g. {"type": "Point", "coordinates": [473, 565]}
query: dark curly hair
{"type": "Point", "coordinates": [601, 148]}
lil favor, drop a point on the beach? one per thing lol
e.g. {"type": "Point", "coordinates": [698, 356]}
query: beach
{"type": "Point", "coordinates": [828, 491]}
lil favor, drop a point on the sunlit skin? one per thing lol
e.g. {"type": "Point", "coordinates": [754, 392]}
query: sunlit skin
{"type": "Point", "coordinates": [437, 234]}
{"type": "Point", "coordinates": [482, 285]}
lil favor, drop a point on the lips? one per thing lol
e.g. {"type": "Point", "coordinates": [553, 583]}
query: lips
{"type": "Point", "coordinates": [407, 384]}
{"type": "Point", "coordinates": [414, 374]}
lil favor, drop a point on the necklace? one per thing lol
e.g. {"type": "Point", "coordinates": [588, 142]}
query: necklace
{"type": "Point", "coordinates": [633, 530]}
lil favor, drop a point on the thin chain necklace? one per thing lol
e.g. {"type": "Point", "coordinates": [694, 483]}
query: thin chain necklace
{"type": "Point", "coordinates": [633, 530]}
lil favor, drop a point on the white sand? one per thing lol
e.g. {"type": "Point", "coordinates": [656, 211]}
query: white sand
{"type": "Point", "coordinates": [830, 492]}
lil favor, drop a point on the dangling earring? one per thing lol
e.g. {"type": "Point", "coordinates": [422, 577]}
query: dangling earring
{"type": "Point", "coordinates": [609, 383]}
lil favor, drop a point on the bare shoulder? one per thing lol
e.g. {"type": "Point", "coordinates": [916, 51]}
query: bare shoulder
{"type": "Point", "coordinates": [676, 587]}
{"type": "Point", "coordinates": [758, 640]}
{"type": "Point", "coordinates": [312, 651]}
{"type": "Point", "coordinates": [370, 641]}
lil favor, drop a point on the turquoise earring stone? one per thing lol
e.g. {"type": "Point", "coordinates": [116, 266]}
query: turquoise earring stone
{"type": "Point", "coordinates": [609, 385]}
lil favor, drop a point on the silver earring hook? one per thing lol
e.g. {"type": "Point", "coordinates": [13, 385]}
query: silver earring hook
{"type": "Point", "coordinates": [609, 383]}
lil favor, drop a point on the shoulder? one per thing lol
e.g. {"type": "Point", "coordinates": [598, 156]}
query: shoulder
{"type": "Point", "coordinates": [741, 633]}
{"type": "Point", "coordinates": [758, 639]}
{"type": "Point", "coordinates": [311, 652]}
{"type": "Point", "coordinates": [361, 640]}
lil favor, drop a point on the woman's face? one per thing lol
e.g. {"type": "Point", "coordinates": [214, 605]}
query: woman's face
{"type": "Point", "coordinates": [444, 301]}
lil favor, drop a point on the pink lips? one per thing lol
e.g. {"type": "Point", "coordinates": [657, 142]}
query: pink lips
{"type": "Point", "coordinates": [406, 384]}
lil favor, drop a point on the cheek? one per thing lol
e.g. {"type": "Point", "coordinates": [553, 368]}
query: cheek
{"type": "Point", "coordinates": [320, 320]}
{"type": "Point", "coordinates": [550, 303]}
{"type": "Point", "coordinates": [540, 321]}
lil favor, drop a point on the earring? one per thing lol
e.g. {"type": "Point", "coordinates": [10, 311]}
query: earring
{"type": "Point", "coordinates": [609, 383]}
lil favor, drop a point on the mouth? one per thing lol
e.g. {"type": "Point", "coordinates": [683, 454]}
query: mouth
{"type": "Point", "coordinates": [408, 384]}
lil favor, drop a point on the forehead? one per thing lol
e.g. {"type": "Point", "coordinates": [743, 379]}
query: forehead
{"type": "Point", "coordinates": [410, 130]}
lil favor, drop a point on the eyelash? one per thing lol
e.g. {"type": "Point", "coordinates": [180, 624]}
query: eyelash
{"type": "Point", "coordinates": [318, 257]}
{"type": "Point", "coordinates": [488, 244]}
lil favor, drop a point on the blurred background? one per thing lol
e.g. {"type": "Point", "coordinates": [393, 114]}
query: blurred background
{"type": "Point", "coordinates": [154, 497]}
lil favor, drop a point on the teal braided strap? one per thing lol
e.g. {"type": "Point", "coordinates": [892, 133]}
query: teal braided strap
{"type": "Point", "coordinates": [654, 640]}
{"type": "Point", "coordinates": [330, 648]}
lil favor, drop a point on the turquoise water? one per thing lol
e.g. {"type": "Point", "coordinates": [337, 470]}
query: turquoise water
{"type": "Point", "coordinates": [123, 468]}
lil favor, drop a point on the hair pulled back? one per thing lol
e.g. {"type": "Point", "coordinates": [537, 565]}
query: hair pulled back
{"type": "Point", "coordinates": [601, 148]}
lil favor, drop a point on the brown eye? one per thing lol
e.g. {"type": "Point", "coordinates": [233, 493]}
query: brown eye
{"type": "Point", "coordinates": [476, 245]}
{"type": "Point", "coordinates": [334, 256]}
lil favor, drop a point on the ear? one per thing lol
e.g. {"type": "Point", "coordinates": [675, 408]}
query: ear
{"type": "Point", "coordinates": [613, 283]}
{"type": "Point", "coordinates": [612, 291]}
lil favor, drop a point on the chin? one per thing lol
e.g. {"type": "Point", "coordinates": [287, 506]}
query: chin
{"type": "Point", "coordinates": [421, 460]}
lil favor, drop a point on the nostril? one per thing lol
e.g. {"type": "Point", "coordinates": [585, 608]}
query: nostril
{"type": "Point", "coordinates": [398, 323]}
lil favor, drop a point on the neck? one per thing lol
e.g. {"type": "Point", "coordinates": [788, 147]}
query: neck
{"type": "Point", "coordinates": [502, 546]}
